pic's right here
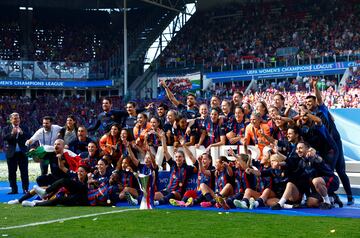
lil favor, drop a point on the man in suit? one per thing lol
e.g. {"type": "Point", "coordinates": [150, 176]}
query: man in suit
{"type": "Point", "coordinates": [14, 137]}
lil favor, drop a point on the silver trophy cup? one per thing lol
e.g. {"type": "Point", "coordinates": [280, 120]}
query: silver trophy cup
{"type": "Point", "coordinates": [147, 189]}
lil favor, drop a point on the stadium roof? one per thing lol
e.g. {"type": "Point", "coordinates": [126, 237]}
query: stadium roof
{"type": "Point", "coordinates": [94, 4]}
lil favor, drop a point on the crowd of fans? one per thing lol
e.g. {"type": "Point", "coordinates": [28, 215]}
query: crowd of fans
{"type": "Point", "coordinates": [353, 78]}
{"type": "Point", "coordinates": [68, 34]}
{"type": "Point", "coordinates": [75, 36]}
{"type": "Point", "coordinates": [10, 36]}
{"type": "Point", "coordinates": [295, 149]}
{"type": "Point", "coordinates": [247, 33]}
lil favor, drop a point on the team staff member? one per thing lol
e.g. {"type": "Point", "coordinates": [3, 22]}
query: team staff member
{"type": "Point", "coordinates": [316, 105]}
{"type": "Point", "coordinates": [46, 136]}
{"type": "Point", "coordinates": [108, 117]}
{"type": "Point", "coordinates": [14, 137]}
{"type": "Point", "coordinates": [80, 144]}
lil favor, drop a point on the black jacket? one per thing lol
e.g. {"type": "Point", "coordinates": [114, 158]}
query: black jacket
{"type": "Point", "coordinates": [10, 140]}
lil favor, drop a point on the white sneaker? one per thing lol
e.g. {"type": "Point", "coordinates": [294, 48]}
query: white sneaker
{"type": "Point", "coordinates": [15, 201]}
{"type": "Point", "coordinates": [39, 191]}
{"type": "Point", "coordinates": [240, 204]}
{"type": "Point", "coordinates": [252, 203]}
{"type": "Point", "coordinates": [28, 204]}
{"type": "Point", "coordinates": [132, 201]}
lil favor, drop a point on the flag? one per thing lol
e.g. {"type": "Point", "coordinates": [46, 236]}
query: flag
{"type": "Point", "coordinates": [40, 152]}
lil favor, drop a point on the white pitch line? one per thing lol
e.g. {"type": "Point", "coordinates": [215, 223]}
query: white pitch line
{"type": "Point", "coordinates": [65, 219]}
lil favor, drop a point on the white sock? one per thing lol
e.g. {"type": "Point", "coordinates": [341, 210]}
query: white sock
{"type": "Point", "coordinates": [256, 203]}
{"type": "Point", "coordinates": [282, 201]}
{"type": "Point", "coordinates": [326, 199]}
{"type": "Point", "coordinates": [303, 200]}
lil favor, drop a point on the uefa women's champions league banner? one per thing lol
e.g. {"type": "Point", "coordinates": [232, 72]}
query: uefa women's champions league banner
{"type": "Point", "coordinates": [279, 72]}
{"type": "Point", "coordinates": [181, 83]}
{"type": "Point", "coordinates": [55, 84]}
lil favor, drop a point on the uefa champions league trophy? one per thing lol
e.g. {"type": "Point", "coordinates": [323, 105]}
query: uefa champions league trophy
{"type": "Point", "coordinates": [146, 185]}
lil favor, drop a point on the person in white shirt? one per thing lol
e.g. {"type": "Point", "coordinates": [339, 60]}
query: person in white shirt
{"type": "Point", "coordinates": [45, 136]}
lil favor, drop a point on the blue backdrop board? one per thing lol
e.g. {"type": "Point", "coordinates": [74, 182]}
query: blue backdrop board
{"type": "Point", "coordinates": [348, 124]}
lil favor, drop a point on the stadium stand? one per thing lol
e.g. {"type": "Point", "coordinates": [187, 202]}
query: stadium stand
{"type": "Point", "coordinates": [239, 36]}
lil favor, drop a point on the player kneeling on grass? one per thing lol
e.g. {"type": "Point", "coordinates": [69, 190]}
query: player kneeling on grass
{"type": "Point", "coordinates": [320, 178]}
{"type": "Point", "coordinates": [179, 175]}
{"type": "Point", "coordinates": [274, 186]}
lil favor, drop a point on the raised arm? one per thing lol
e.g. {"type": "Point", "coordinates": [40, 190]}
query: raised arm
{"type": "Point", "coordinates": [132, 155]}
{"type": "Point", "coordinates": [317, 91]}
{"type": "Point", "coordinates": [164, 146]}
{"type": "Point", "coordinates": [187, 151]}
{"type": "Point", "coordinates": [169, 94]}
{"type": "Point", "coordinates": [228, 169]}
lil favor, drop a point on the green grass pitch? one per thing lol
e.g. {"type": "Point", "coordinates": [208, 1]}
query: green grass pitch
{"type": "Point", "coordinates": [167, 223]}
